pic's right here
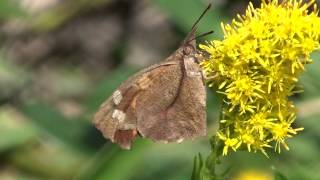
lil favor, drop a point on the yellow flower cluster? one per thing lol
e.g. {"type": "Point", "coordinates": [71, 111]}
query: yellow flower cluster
{"type": "Point", "coordinates": [256, 67]}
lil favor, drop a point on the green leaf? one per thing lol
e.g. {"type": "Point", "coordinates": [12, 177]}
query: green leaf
{"type": "Point", "coordinates": [197, 166]}
{"type": "Point", "coordinates": [12, 77]}
{"type": "Point", "coordinates": [69, 131]}
{"type": "Point", "coordinates": [49, 160]}
{"type": "Point", "coordinates": [14, 131]}
{"type": "Point", "coordinates": [10, 9]}
{"type": "Point", "coordinates": [279, 176]}
{"type": "Point", "coordinates": [115, 163]}
{"type": "Point", "coordinates": [186, 13]}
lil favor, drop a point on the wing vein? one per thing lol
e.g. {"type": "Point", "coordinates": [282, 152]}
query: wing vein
{"type": "Point", "coordinates": [181, 63]}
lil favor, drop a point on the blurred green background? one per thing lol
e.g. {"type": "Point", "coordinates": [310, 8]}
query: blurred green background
{"type": "Point", "coordinates": [59, 59]}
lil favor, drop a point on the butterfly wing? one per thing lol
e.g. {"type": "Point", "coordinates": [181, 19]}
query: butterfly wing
{"type": "Point", "coordinates": [165, 102]}
{"type": "Point", "coordinates": [173, 107]}
{"type": "Point", "coordinates": [116, 118]}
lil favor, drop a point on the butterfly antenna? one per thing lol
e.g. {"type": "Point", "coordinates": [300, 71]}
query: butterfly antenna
{"type": "Point", "coordinates": [201, 16]}
{"type": "Point", "coordinates": [191, 34]}
{"type": "Point", "coordinates": [201, 35]}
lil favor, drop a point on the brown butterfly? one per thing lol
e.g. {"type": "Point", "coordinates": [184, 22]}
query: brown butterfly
{"type": "Point", "coordinates": [165, 102]}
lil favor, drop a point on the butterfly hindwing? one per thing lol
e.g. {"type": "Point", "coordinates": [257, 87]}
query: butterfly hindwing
{"type": "Point", "coordinates": [173, 109]}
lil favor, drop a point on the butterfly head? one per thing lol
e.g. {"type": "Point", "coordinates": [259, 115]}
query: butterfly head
{"type": "Point", "coordinates": [188, 46]}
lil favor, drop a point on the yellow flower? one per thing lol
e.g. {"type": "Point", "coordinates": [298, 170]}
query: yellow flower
{"type": "Point", "coordinates": [232, 143]}
{"type": "Point", "coordinates": [253, 175]}
{"type": "Point", "coordinates": [242, 91]}
{"type": "Point", "coordinates": [256, 68]}
{"type": "Point", "coordinates": [283, 130]}
{"type": "Point", "coordinates": [259, 122]}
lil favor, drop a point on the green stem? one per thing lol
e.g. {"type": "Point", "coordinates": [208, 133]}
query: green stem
{"type": "Point", "coordinates": [216, 153]}
{"type": "Point", "coordinates": [213, 160]}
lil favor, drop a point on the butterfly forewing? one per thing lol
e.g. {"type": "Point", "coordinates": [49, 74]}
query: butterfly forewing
{"type": "Point", "coordinates": [116, 118]}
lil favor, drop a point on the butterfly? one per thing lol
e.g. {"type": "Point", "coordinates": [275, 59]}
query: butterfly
{"type": "Point", "coordinates": [165, 102]}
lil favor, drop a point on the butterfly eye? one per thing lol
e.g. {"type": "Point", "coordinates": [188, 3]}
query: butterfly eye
{"type": "Point", "coordinates": [188, 49]}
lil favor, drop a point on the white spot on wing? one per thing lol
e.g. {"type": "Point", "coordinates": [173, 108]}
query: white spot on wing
{"type": "Point", "coordinates": [119, 115]}
{"type": "Point", "coordinates": [117, 97]}
{"type": "Point", "coordinates": [115, 113]}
